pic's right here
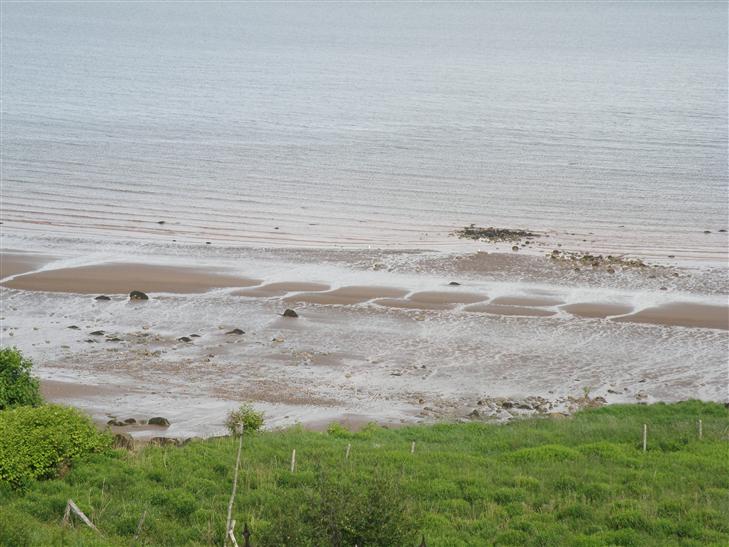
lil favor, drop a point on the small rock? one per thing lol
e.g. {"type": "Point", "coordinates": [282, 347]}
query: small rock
{"type": "Point", "coordinates": [123, 440]}
{"type": "Point", "coordinates": [454, 284]}
{"type": "Point", "coordinates": [138, 295]}
{"type": "Point", "coordinates": [116, 423]}
{"type": "Point", "coordinates": [194, 336]}
{"type": "Point", "coordinates": [515, 248]}
{"type": "Point", "coordinates": [707, 231]}
{"type": "Point", "coordinates": [722, 231]}
{"type": "Point", "coordinates": [184, 339]}
{"type": "Point", "coordinates": [207, 243]}
{"type": "Point", "coordinates": [113, 339]}
{"type": "Point", "coordinates": [664, 288]}
{"type": "Point", "coordinates": [612, 391]}
{"type": "Point", "coordinates": [290, 313]}
{"type": "Point", "coordinates": [97, 333]}
{"type": "Point", "coordinates": [73, 327]}
{"type": "Point", "coordinates": [160, 222]}
{"type": "Point", "coordinates": [158, 420]}
{"type": "Point", "coordinates": [610, 270]}
{"type": "Point", "coordinates": [102, 297]}
{"type": "Point", "coordinates": [130, 421]}
{"type": "Point", "coordinates": [277, 339]}
{"type": "Point", "coordinates": [671, 256]}
{"type": "Point", "coordinates": [235, 331]}
{"type": "Point", "coordinates": [474, 414]}
{"type": "Point", "coordinates": [164, 441]}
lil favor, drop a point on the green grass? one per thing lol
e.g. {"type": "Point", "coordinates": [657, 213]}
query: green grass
{"type": "Point", "coordinates": [582, 481]}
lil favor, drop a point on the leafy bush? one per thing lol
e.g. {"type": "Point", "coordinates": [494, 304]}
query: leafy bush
{"type": "Point", "coordinates": [345, 510]}
{"type": "Point", "coordinates": [17, 386]}
{"type": "Point", "coordinates": [245, 416]}
{"type": "Point", "coordinates": [35, 441]}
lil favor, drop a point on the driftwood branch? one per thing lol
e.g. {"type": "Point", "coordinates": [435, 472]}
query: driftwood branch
{"type": "Point", "coordinates": [71, 506]}
{"type": "Point", "coordinates": [231, 533]}
{"type": "Point", "coordinates": [141, 523]}
{"type": "Point", "coordinates": [232, 494]}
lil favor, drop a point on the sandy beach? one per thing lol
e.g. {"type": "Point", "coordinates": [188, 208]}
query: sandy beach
{"type": "Point", "coordinates": [394, 338]}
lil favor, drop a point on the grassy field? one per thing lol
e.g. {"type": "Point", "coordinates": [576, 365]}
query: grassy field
{"type": "Point", "coordinates": [583, 481]}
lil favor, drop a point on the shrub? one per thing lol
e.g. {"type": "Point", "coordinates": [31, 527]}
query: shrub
{"type": "Point", "coordinates": [17, 386]}
{"type": "Point", "coordinates": [343, 510]}
{"type": "Point", "coordinates": [35, 441]}
{"type": "Point", "coordinates": [245, 416]}
{"type": "Point", "coordinates": [339, 431]}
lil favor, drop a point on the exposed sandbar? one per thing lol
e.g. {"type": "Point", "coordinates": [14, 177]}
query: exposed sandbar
{"type": "Point", "coordinates": [443, 297]}
{"type": "Point", "coordinates": [682, 314]}
{"type": "Point", "coordinates": [20, 263]}
{"type": "Point", "coordinates": [282, 288]}
{"type": "Point", "coordinates": [119, 278]}
{"type": "Point", "coordinates": [537, 301]}
{"type": "Point", "coordinates": [509, 310]}
{"type": "Point", "coordinates": [597, 310]}
{"type": "Point", "coordinates": [355, 294]}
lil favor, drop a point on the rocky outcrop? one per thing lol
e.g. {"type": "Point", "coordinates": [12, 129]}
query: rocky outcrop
{"type": "Point", "coordinates": [138, 295]}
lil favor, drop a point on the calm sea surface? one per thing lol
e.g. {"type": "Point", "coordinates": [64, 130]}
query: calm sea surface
{"type": "Point", "coordinates": [385, 124]}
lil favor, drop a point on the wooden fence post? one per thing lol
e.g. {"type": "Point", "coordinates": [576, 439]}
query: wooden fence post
{"type": "Point", "coordinates": [701, 429]}
{"type": "Point", "coordinates": [349, 447]}
{"type": "Point", "coordinates": [645, 437]}
{"type": "Point", "coordinates": [412, 448]}
{"type": "Point", "coordinates": [293, 460]}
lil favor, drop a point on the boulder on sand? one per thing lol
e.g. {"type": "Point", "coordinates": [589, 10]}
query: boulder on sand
{"type": "Point", "coordinates": [158, 420]}
{"type": "Point", "coordinates": [290, 313]}
{"type": "Point", "coordinates": [235, 331]}
{"type": "Point", "coordinates": [102, 297]}
{"type": "Point", "coordinates": [138, 295]}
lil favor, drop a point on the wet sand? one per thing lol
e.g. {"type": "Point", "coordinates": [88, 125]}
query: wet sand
{"type": "Point", "coordinates": [347, 295]}
{"type": "Point", "coordinates": [120, 278]}
{"type": "Point", "coordinates": [356, 352]}
{"type": "Point", "coordinates": [682, 314]}
{"type": "Point", "coordinates": [20, 263]}
{"type": "Point", "coordinates": [531, 301]}
{"type": "Point", "coordinates": [596, 310]}
{"type": "Point", "coordinates": [442, 297]}
{"type": "Point", "coordinates": [509, 310]}
{"type": "Point", "coordinates": [282, 288]}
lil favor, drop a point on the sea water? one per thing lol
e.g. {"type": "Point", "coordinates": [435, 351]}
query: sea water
{"type": "Point", "coordinates": [368, 124]}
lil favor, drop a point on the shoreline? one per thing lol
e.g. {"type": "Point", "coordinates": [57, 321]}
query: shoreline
{"type": "Point", "coordinates": [379, 337]}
